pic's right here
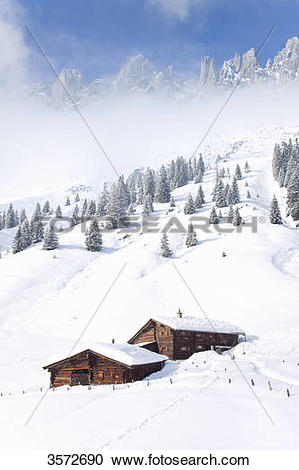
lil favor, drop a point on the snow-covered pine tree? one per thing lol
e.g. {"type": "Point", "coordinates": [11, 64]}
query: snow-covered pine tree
{"type": "Point", "coordinates": [235, 192]}
{"type": "Point", "coordinates": [230, 216]}
{"type": "Point", "coordinates": [17, 245]}
{"type": "Point", "coordinates": [238, 172]}
{"type": "Point", "coordinates": [26, 234]}
{"type": "Point", "coordinates": [198, 177]}
{"type": "Point", "coordinates": [103, 201]}
{"type": "Point", "coordinates": [131, 209]}
{"type": "Point", "coordinates": [237, 218]}
{"type": "Point", "coordinates": [77, 198]}
{"type": "Point", "coordinates": [10, 221]}
{"type": "Point", "coordinates": [162, 187]}
{"type": "Point", "coordinates": [202, 194]}
{"type": "Point", "coordinates": [189, 207]}
{"type": "Point", "coordinates": [293, 195]}
{"type": "Point", "coordinates": [37, 211]}
{"type": "Point", "coordinates": [246, 167]}
{"type": "Point", "coordinates": [58, 212]}
{"type": "Point", "coordinates": [17, 218]}
{"type": "Point", "coordinates": [84, 210]}
{"type": "Point", "coordinates": [46, 208]}
{"type": "Point", "coordinates": [51, 239]}
{"type": "Point", "coordinates": [1, 222]}
{"type": "Point", "coordinates": [248, 195]}
{"type": "Point", "coordinates": [165, 250]}
{"type": "Point", "coordinates": [198, 200]}
{"type": "Point", "coordinates": [214, 217]}
{"type": "Point", "coordinates": [67, 202]}
{"type": "Point", "coordinates": [191, 239]}
{"type": "Point", "coordinates": [147, 207]}
{"type": "Point", "coordinates": [276, 161]}
{"type": "Point", "coordinates": [219, 192]}
{"type": "Point", "coordinates": [93, 239]}
{"type": "Point", "coordinates": [201, 164]}
{"type": "Point", "coordinates": [76, 219]}
{"type": "Point", "coordinates": [149, 183]}
{"type": "Point", "coordinates": [23, 216]}
{"type": "Point", "coordinates": [91, 210]}
{"type": "Point", "coordinates": [37, 230]}
{"type": "Point", "coordinates": [172, 202]}
{"type": "Point", "coordinates": [275, 215]}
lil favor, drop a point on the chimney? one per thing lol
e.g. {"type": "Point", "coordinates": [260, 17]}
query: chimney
{"type": "Point", "coordinates": [179, 314]}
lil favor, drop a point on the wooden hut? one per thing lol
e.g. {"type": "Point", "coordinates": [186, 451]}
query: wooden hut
{"type": "Point", "coordinates": [179, 338]}
{"type": "Point", "coordinates": [105, 364]}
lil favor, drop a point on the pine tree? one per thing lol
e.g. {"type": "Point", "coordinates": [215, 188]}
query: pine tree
{"type": "Point", "coordinates": [93, 239]}
{"type": "Point", "coordinates": [220, 199]}
{"type": "Point", "coordinates": [26, 234]}
{"type": "Point", "coordinates": [67, 202]}
{"type": "Point", "coordinates": [1, 222]}
{"type": "Point", "coordinates": [37, 230]}
{"type": "Point", "coordinates": [198, 200]}
{"type": "Point", "coordinates": [238, 173]}
{"type": "Point", "coordinates": [237, 218]}
{"type": "Point", "coordinates": [165, 250]}
{"type": "Point", "coordinates": [230, 216]}
{"type": "Point", "coordinates": [189, 207]}
{"type": "Point", "coordinates": [147, 205]}
{"type": "Point", "coordinates": [77, 198]}
{"type": "Point", "coordinates": [275, 215]}
{"type": "Point", "coordinates": [248, 195]}
{"type": "Point", "coordinates": [23, 216]}
{"type": "Point", "coordinates": [103, 202]}
{"type": "Point", "coordinates": [202, 194]}
{"type": "Point", "coordinates": [293, 195]}
{"type": "Point", "coordinates": [51, 239]}
{"type": "Point", "coordinates": [191, 239]}
{"type": "Point", "coordinates": [149, 183]}
{"type": "Point", "coordinates": [58, 212]}
{"type": "Point", "coordinates": [46, 208]}
{"type": "Point", "coordinates": [17, 245]}
{"type": "Point", "coordinates": [37, 211]}
{"type": "Point", "coordinates": [214, 217]}
{"type": "Point", "coordinates": [84, 210]}
{"type": "Point", "coordinates": [76, 216]}
{"type": "Point", "coordinates": [172, 202]}
{"type": "Point", "coordinates": [198, 177]}
{"type": "Point", "coordinates": [163, 189]}
{"type": "Point", "coordinates": [246, 167]}
{"type": "Point", "coordinates": [10, 221]}
{"type": "Point", "coordinates": [234, 195]}
{"type": "Point", "coordinates": [91, 210]}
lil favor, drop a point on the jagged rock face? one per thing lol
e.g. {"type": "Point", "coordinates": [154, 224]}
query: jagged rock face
{"type": "Point", "coordinates": [208, 73]}
{"type": "Point", "coordinates": [72, 81]}
{"type": "Point", "coordinates": [286, 63]}
{"type": "Point", "coordinates": [138, 76]}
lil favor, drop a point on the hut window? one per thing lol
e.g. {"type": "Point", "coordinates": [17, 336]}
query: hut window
{"type": "Point", "coordinates": [183, 348]}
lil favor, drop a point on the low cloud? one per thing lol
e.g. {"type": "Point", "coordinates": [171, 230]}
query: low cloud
{"type": "Point", "coordinates": [13, 52]}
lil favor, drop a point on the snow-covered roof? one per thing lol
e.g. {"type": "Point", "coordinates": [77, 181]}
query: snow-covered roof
{"type": "Point", "coordinates": [128, 354]}
{"type": "Point", "coordinates": [198, 324]}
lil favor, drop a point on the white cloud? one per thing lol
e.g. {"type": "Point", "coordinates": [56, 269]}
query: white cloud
{"type": "Point", "coordinates": [13, 51]}
{"type": "Point", "coordinates": [178, 8]}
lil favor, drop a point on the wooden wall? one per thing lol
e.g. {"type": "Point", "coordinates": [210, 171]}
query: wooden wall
{"type": "Point", "coordinates": [100, 370]}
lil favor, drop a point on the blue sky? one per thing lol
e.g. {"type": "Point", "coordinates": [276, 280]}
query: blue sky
{"type": "Point", "coordinates": [97, 36]}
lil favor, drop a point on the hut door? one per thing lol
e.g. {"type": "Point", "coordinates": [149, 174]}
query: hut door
{"type": "Point", "coordinates": [80, 377]}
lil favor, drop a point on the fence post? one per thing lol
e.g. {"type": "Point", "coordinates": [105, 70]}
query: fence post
{"type": "Point", "coordinates": [269, 383]}
{"type": "Point", "coordinates": [288, 392]}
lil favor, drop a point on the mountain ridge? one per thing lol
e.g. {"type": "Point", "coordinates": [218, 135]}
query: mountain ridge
{"type": "Point", "coordinates": [138, 75]}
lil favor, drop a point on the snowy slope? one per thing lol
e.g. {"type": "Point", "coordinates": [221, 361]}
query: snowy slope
{"type": "Point", "coordinates": [46, 302]}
